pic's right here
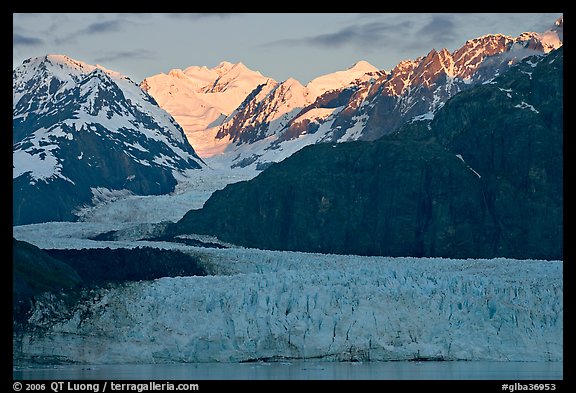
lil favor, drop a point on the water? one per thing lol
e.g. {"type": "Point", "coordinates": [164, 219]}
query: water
{"type": "Point", "coordinates": [301, 370]}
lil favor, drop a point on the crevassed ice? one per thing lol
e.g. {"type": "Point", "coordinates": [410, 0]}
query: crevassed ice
{"type": "Point", "coordinates": [278, 305]}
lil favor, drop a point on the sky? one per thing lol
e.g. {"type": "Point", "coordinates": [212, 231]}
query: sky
{"type": "Point", "coordinates": [279, 45]}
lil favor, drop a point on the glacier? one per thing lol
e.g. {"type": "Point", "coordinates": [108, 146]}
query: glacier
{"type": "Point", "coordinates": [269, 305]}
{"type": "Point", "coordinates": [259, 304]}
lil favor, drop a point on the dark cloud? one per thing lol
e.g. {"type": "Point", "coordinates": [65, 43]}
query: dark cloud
{"type": "Point", "coordinates": [135, 54]}
{"type": "Point", "coordinates": [403, 33]}
{"type": "Point", "coordinates": [440, 28]}
{"type": "Point", "coordinates": [22, 40]}
{"type": "Point", "coordinates": [360, 35]}
{"type": "Point", "coordinates": [103, 27]}
{"type": "Point", "coordinates": [202, 15]}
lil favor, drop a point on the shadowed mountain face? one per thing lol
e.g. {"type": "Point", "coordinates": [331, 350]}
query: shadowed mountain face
{"type": "Point", "coordinates": [67, 273]}
{"type": "Point", "coordinates": [483, 179]}
{"type": "Point", "coordinates": [34, 271]}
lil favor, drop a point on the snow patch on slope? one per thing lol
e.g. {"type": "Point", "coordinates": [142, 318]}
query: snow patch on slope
{"type": "Point", "coordinates": [38, 166]}
{"type": "Point", "coordinates": [524, 105]}
{"type": "Point", "coordinates": [355, 131]}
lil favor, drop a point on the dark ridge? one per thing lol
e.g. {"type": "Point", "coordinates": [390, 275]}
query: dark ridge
{"type": "Point", "coordinates": [73, 275]}
{"type": "Point", "coordinates": [112, 236]}
{"type": "Point", "coordinates": [117, 265]}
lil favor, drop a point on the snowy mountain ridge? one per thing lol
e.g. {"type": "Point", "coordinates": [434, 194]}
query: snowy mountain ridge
{"type": "Point", "coordinates": [361, 70]}
{"type": "Point", "coordinates": [360, 103]}
{"type": "Point", "coordinates": [200, 98]}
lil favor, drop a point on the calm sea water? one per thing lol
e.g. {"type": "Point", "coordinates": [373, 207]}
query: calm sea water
{"type": "Point", "coordinates": [301, 370]}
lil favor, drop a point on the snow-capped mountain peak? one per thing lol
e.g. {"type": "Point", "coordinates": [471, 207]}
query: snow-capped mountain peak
{"type": "Point", "coordinates": [292, 83]}
{"type": "Point", "coordinates": [201, 98]}
{"type": "Point", "coordinates": [66, 70]}
{"type": "Point", "coordinates": [79, 128]}
{"type": "Point", "coordinates": [63, 66]}
{"type": "Point", "coordinates": [552, 38]}
{"type": "Point", "coordinates": [362, 66]}
{"type": "Point", "coordinates": [559, 21]}
{"type": "Point", "coordinates": [361, 70]}
{"type": "Point", "coordinates": [226, 67]}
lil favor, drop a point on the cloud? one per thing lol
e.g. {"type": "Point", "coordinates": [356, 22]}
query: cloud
{"type": "Point", "coordinates": [22, 40]}
{"type": "Point", "coordinates": [367, 35]}
{"type": "Point", "coordinates": [402, 32]}
{"type": "Point", "coordinates": [405, 34]}
{"type": "Point", "coordinates": [103, 27]}
{"type": "Point", "coordinates": [361, 35]}
{"type": "Point", "coordinates": [203, 15]}
{"type": "Point", "coordinates": [125, 55]}
{"type": "Point", "coordinates": [440, 28]}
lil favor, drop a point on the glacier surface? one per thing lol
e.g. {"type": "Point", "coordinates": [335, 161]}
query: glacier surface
{"type": "Point", "coordinates": [288, 305]}
{"type": "Point", "coordinates": [259, 304]}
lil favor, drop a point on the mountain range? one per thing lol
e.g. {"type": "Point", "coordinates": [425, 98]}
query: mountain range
{"type": "Point", "coordinates": [83, 134]}
{"type": "Point", "coordinates": [461, 184]}
{"type": "Point", "coordinates": [275, 119]}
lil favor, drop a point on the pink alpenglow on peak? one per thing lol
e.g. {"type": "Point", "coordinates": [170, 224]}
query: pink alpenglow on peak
{"type": "Point", "coordinates": [336, 80]}
{"type": "Point", "coordinates": [200, 98]}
